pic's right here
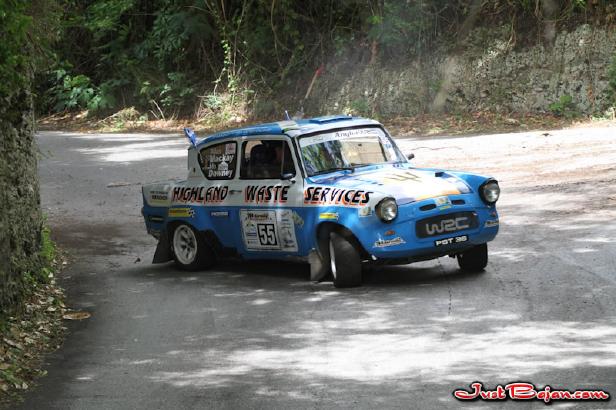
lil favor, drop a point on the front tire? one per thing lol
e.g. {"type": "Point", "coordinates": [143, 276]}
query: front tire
{"type": "Point", "coordinates": [345, 262]}
{"type": "Point", "coordinates": [190, 249]}
{"type": "Point", "coordinates": [474, 259]}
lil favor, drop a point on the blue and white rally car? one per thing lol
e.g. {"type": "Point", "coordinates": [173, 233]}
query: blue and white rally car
{"type": "Point", "coordinates": [335, 192]}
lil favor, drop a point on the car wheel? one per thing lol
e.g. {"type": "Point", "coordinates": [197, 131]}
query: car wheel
{"type": "Point", "coordinates": [190, 249]}
{"type": "Point", "coordinates": [345, 262]}
{"type": "Point", "coordinates": [475, 259]}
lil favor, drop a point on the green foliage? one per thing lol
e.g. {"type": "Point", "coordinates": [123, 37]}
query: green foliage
{"type": "Point", "coordinates": [611, 75]}
{"type": "Point", "coordinates": [162, 55]}
{"type": "Point", "coordinates": [402, 28]}
{"type": "Point", "coordinates": [47, 254]}
{"type": "Point", "coordinates": [171, 95]}
{"type": "Point", "coordinates": [47, 261]}
{"type": "Point", "coordinates": [360, 107]}
{"type": "Point", "coordinates": [13, 61]}
{"type": "Point", "coordinates": [78, 92]}
{"type": "Point", "coordinates": [104, 16]}
{"type": "Point", "coordinates": [564, 107]}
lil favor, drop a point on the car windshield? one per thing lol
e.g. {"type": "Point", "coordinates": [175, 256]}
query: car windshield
{"type": "Point", "coordinates": [347, 149]}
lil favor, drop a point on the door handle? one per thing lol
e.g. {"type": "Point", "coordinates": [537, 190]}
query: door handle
{"type": "Point", "coordinates": [235, 191]}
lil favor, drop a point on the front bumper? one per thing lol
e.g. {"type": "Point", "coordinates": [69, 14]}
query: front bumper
{"type": "Point", "coordinates": [400, 239]}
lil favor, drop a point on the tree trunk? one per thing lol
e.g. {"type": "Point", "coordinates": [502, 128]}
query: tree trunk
{"type": "Point", "coordinates": [451, 63]}
{"type": "Point", "coordinates": [550, 11]}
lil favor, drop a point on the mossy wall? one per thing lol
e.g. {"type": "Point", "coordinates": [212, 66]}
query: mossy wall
{"type": "Point", "coordinates": [20, 214]}
{"type": "Point", "coordinates": [487, 71]}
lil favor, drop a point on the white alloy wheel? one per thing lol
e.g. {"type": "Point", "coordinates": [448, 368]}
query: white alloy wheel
{"type": "Point", "coordinates": [184, 244]}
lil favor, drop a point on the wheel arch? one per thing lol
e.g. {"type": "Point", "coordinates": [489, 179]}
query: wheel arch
{"type": "Point", "coordinates": [322, 238]}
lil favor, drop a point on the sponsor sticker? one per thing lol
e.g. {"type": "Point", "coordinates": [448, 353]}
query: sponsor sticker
{"type": "Point", "coordinates": [339, 136]}
{"type": "Point", "coordinates": [364, 211]}
{"type": "Point", "coordinates": [159, 197]}
{"type": "Point", "coordinates": [383, 243]}
{"type": "Point", "coordinates": [266, 193]}
{"type": "Point", "coordinates": [442, 202]}
{"type": "Point", "coordinates": [451, 241]}
{"type": "Point", "coordinates": [219, 214]}
{"type": "Point", "coordinates": [297, 219]}
{"type": "Point", "coordinates": [200, 194]}
{"type": "Point", "coordinates": [332, 216]}
{"type": "Point", "coordinates": [219, 160]}
{"type": "Point", "coordinates": [181, 213]}
{"type": "Point", "coordinates": [230, 149]}
{"type": "Point", "coordinates": [491, 223]}
{"type": "Point", "coordinates": [318, 195]}
{"type": "Point", "coordinates": [271, 230]}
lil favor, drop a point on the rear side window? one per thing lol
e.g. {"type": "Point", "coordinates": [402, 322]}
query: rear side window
{"type": "Point", "coordinates": [219, 161]}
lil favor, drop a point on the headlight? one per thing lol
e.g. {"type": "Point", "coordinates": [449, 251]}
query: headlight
{"type": "Point", "coordinates": [490, 191]}
{"type": "Point", "coordinates": [387, 209]}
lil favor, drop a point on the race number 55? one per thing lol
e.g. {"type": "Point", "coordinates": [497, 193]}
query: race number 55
{"type": "Point", "coordinates": [267, 234]}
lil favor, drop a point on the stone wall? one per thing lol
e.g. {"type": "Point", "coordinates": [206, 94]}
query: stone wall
{"type": "Point", "coordinates": [20, 215]}
{"type": "Point", "coordinates": [487, 72]}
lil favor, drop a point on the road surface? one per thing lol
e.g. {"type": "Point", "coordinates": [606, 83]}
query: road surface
{"type": "Point", "coordinates": [260, 335]}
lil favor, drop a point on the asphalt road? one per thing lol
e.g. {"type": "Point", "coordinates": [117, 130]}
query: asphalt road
{"type": "Point", "coordinates": [260, 335]}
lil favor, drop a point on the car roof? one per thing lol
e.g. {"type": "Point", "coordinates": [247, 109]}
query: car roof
{"type": "Point", "coordinates": [292, 128]}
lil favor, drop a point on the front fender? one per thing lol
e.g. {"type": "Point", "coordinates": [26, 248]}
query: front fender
{"type": "Point", "coordinates": [357, 220]}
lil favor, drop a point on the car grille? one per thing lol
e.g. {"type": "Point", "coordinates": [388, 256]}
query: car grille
{"type": "Point", "coordinates": [444, 224]}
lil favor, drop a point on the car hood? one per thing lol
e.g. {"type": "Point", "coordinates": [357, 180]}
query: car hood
{"type": "Point", "coordinates": [404, 183]}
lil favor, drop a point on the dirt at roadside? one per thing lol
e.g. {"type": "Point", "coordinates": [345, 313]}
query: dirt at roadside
{"type": "Point", "coordinates": [421, 125]}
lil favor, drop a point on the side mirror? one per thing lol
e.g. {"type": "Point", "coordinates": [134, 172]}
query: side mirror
{"type": "Point", "coordinates": [287, 176]}
{"type": "Point", "coordinates": [410, 156]}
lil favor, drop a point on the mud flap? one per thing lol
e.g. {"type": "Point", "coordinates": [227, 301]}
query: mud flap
{"type": "Point", "coordinates": [318, 269]}
{"type": "Point", "coordinates": [163, 250]}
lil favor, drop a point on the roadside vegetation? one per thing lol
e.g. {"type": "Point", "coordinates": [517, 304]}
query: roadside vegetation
{"type": "Point", "coordinates": [118, 64]}
{"type": "Point", "coordinates": [33, 327]}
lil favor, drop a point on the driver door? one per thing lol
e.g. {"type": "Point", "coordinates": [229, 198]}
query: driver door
{"type": "Point", "coordinates": [271, 191]}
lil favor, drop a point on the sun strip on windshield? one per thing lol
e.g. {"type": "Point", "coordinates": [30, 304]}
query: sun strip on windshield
{"type": "Point", "coordinates": [338, 136]}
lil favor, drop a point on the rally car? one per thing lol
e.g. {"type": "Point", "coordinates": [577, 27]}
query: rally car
{"type": "Point", "coordinates": [334, 191]}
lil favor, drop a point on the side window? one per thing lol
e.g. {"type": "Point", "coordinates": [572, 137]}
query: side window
{"type": "Point", "coordinates": [219, 161]}
{"type": "Point", "coordinates": [266, 159]}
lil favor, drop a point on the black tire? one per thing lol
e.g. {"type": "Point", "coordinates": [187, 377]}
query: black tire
{"type": "Point", "coordinates": [204, 256]}
{"type": "Point", "coordinates": [474, 259]}
{"type": "Point", "coordinates": [345, 262]}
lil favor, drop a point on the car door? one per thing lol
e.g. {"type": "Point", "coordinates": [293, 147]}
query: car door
{"type": "Point", "coordinates": [219, 164]}
{"type": "Point", "coordinates": [271, 198]}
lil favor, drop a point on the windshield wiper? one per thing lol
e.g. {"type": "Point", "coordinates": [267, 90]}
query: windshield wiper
{"type": "Point", "coordinates": [325, 171]}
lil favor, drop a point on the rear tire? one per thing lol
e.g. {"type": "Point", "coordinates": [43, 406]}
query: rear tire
{"type": "Point", "coordinates": [191, 251]}
{"type": "Point", "coordinates": [345, 262]}
{"type": "Point", "coordinates": [474, 259]}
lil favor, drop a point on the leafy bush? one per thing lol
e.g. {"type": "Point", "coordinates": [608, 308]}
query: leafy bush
{"type": "Point", "coordinates": [564, 107]}
{"type": "Point", "coordinates": [169, 97]}
{"type": "Point", "coordinates": [359, 107]}
{"type": "Point", "coordinates": [78, 92]}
